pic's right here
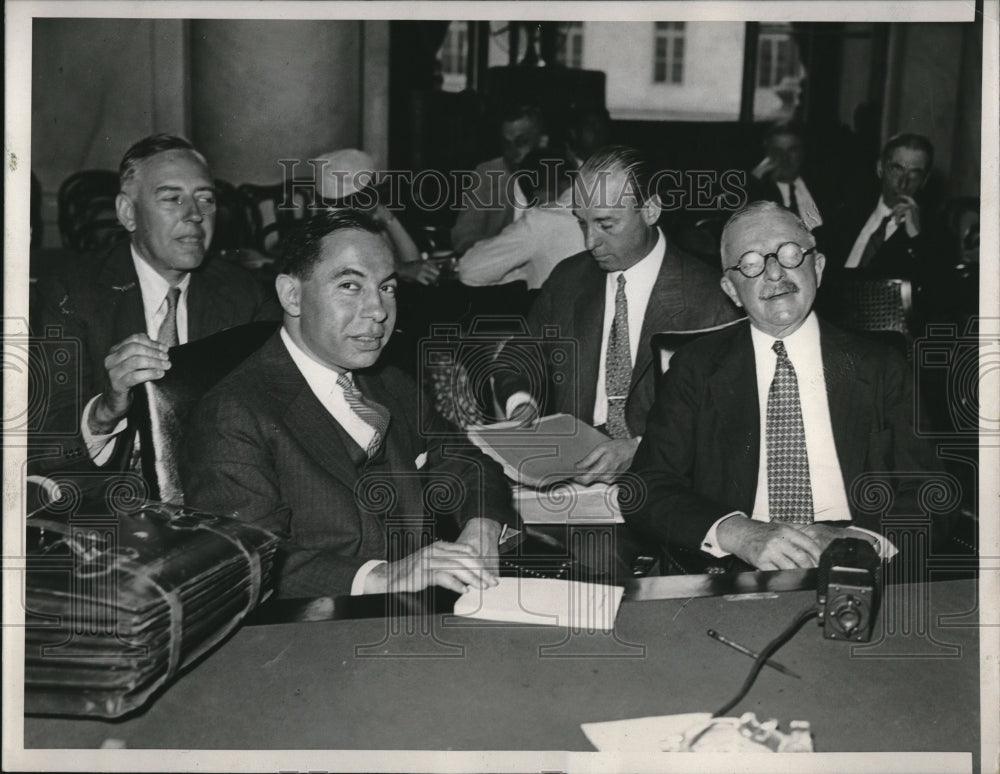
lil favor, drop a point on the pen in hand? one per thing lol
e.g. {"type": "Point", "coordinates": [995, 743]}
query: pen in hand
{"type": "Point", "coordinates": [747, 652]}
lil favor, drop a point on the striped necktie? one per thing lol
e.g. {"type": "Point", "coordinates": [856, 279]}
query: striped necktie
{"type": "Point", "coordinates": [373, 414]}
{"type": "Point", "coordinates": [789, 491]}
{"type": "Point", "coordinates": [168, 328]}
{"type": "Point", "coordinates": [618, 366]}
{"type": "Point", "coordinates": [875, 242]}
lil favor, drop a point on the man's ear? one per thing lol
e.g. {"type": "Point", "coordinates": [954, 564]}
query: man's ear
{"type": "Point", "coordinates": [730, 290]}
{"type": "Point", "coordinates": [288, 289]}
{"type": "Point", "coordinates": [819, 261]}
{"type": "Point", "coordinates": [125, 210]}
{"type": "Point", "coordinates": [879, 170]}
{"type": "Point", "coordinates": [651, 210]}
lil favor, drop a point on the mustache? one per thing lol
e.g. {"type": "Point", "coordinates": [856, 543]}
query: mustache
{"type": "Point", "coordinates": [783, 287]}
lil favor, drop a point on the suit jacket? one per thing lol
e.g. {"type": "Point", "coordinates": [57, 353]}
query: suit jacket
{"type": "Point", "coordinates": [487, 208]}
{"type": "Point", "coordinates": [570, 308]}
{"type": "Point", "coordinates": [94, 302]}
{"type": "Point", "coordinates": [261, 447]}
{"type": "Point", "coordinates": [900, 256]}
{"type": "Point", "coordinates": [699, 456]}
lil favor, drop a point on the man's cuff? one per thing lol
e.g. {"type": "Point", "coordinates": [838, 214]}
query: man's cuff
{"type": "Point", "coordinates": [358, 584]}
{"type": "Point", "coordinates": [885, 547]}
{"type": "Point", "coordinates": [710, 544]}
{"type": "Point", "coordinates": [99, 447]}
{"type": "Point", "coordinates": [518, 399]}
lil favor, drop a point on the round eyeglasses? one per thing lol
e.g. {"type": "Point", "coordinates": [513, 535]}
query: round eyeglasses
{"type": "Point", "coordinates": [789, 255]}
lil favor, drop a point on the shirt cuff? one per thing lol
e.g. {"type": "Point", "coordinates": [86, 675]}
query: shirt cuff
{"type": "Point", "coordinates": [885, 547]}
{"type": "Point", "coordinates": [99, 447]}
{"type": "Point", "coordinates": [358, 584]}
{"type": "Point", "coordinates": [710, 544]}
{"type": "Point", "coordinates": [518, 399]}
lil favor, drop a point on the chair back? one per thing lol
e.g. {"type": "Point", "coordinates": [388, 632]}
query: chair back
{"type": "Point", "coordinates": [273, 211]}
{"type": "Point", "coordinates": [869, 305]}
{"type": "Point", "coordinates": [162, 418]}
{"type": "Point", "coordinates": [87, 217]}
{"type": "Point", "coordinates": [232, 221]}
{"type": "Point", "coordinates": [666, 343]}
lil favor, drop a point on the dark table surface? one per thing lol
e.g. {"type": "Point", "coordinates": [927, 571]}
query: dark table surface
{"type": "Point", "coordinates": [445, 683]}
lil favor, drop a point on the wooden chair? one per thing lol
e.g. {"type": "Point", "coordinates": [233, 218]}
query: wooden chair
{"type": "Point", "coordinates": [879, 308]}
{"type": "Point", "coordinates": [232, 223]}
{"type": "Point", "coordinates": [273, 211]}
{"type": "Point", "coordinates": [87, 218]}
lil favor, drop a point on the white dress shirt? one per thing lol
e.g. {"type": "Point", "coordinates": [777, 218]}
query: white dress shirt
{"type": "Point", "coordinates": [527, 249]}
{"type": "Point", "coordinates": [153, 289]}
{"type": "Point", "coordinates": [322, 380]}
{"type": "Point", "coordinates": [826, 479]}
{"type": "Point", "coordinates": [874, 220]}
{"type": "Point", "coordinates": [808, 210]}
{"type": "Point", "coordinates": [639, 281]}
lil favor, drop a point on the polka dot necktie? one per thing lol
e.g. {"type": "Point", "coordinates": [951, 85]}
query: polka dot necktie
{"type": "Point", "coordinates": [373, 414]}
{"type": "Point", "coordinates": [788, 487]}
{"type": "Point", "coordinates": [618, 366]}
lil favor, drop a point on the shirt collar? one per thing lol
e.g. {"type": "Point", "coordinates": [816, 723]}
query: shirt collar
{"type": "Point", "coordinates": [154, 287]}
{"type": "Point", "coordinates": [882, 208]}
{"type": "Point", "coordinates": [645, 272]}
{"type": "Point", "coordinates": [318, 376]}
{"type": "Point", "coordinates": [804, 339]}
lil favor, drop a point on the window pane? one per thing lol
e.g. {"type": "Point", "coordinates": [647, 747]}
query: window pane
{"type": "Point", "coordinates": [779, 82]}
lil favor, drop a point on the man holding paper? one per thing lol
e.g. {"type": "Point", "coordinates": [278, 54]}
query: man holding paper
{"type": "Point", "coordinates": [762, 434]}
{"type": "Point", "coordinates": [630, 283]}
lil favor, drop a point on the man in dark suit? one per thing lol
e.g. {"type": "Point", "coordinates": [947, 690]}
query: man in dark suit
{"type": "Point", "coordinates": [125, 307]}
{"type": "Point", "coordinates": [781, 178]}
{"type": "Point", "coordinates": [888, 237]}
{"type": "Point", "coordinates": [313, 438]}
{"type": "Point", "coordinates": [760, 432]}
{"type": "Point", "coordinates": [630, 283]}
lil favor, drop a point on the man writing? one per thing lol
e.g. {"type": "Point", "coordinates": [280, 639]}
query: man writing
{"type": "Point", "coordinates": [314, 439]}
{"type": "Point", "coordinates": [628, 284]}
{"type": "Point", "coordinates": [760, 430]}
{"type": "Point", "coordinates": [128, 305]}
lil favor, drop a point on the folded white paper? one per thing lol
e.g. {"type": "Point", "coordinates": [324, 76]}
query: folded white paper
{"type": "Point", "coordinates": [544, 601]}
{"type": "Point", "coordinates": [641, 735]}
{"type": "Point", "coordinates": [568, 503]}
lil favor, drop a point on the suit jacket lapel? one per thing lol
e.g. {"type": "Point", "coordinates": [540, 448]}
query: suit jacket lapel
{"type": "Point", "coordinates": [119, 285]}
{"type": "Point", "coordinates": [666, 301]}
{"type": "Point", "coordinates": [306, 418]}
{"type": "Point", "coordinates": [588, 328]}
{"type": "Point", "coordinates": [733, 390]}
{"type": "Point", "coordinates": [209, 309]}
{"type": "Point", "coordinates": [848, 392]}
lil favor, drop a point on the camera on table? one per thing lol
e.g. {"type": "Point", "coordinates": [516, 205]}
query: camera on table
{"type": "Point", "coordinates": [848, 589]}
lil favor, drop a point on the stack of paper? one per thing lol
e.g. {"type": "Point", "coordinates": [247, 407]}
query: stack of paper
{"type": "Point", "coordinates": [544, 601]}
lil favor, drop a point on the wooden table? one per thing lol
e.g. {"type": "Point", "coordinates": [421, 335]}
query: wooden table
{"type": "Point", "coordinates": [444, 683]}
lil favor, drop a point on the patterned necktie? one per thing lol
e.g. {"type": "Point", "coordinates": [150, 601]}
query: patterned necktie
{"type": "Point", "coordinates": [373, 414]}
{"type": "Point", "coordinates": [875, 242]}
{"type": "Point", "coordinates": [168, 328]}
{"type": "Point", "coordinates": [793, 203]}
{"type": "Point", "coordinates": [618, 366]}
{"type": "Point", "coordinates": [789, 493]}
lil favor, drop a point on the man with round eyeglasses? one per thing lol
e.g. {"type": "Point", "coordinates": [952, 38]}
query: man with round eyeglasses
{"type": "Point", "coordinates": [764, 435]}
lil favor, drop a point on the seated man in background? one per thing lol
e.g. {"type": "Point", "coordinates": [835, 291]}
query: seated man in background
{"type": "Point", "coordinates": [495, 199]}
{"type": "Point", "coordinates": [587, 130]}
{"type": "Point", "coordinates": [530, 247]}
{"type": "Point", "coordinates": [127, 305]}
{"type": "Point", "coordinates": [779, 177]}
{"type": "Point", "coordinates": [345, 179]}
{"type": "Point", "coordinates": [888, 237]}
{"type": "Point", "coordinates": [628, 284]}
{"type": "Point", "coordinates": [317, 441]}
{"type": "Point", "coordinates": [759, 431]}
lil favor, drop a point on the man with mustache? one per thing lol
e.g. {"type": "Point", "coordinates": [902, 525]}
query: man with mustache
{"type": "Point", "coordinates": [760, 434]}
{"type": "Point", "coordinates": [314, 439]}
{"type": "Point", "coordinates": [125, 307]}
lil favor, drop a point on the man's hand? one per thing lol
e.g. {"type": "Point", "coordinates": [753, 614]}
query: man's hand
{"type": "Point", "coordinates": [524, 413]}
{"type": "Point", "coordinates": [424, 272]}
{"type": "Point", "coordinates": [606, 461]}
{"type": "Point", "coordinates": [768, 545]}
{"type": "Point", "coordinates": [483, 535]}
{"type": "Point", "coordinates": [132, 361]}
{"type": "Point", "coordinates": [906, 213]}
{"type": "Point", "coordinates": [762, 169]}
{"type": "Point", "coordinates": [456, 566]}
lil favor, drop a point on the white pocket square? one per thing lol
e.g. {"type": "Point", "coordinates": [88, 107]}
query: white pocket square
{"type": "Point", "coordinates": [421, 460]}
